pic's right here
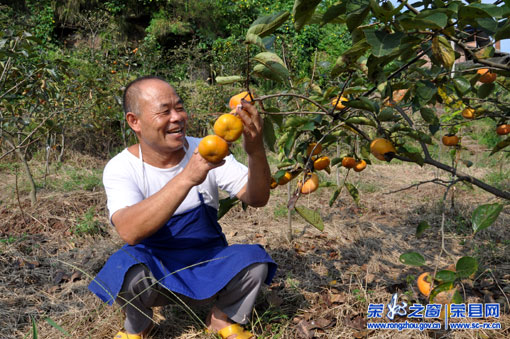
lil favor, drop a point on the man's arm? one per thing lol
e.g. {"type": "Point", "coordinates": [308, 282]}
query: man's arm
{"type": "Point", "coordinates": [139, 221]}
{"type": "Point", "coordinates": [256, 191]}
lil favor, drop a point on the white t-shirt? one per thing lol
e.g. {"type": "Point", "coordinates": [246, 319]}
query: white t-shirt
{"type": "Point", "coordinates": [125, 185]}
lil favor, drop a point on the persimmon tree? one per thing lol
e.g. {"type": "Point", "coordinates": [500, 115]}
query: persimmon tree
{"type": "Point", "coordinates": [408, 77]}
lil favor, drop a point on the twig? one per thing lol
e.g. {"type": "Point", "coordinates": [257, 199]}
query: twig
{"type": "Point", "coordinates": [504, 294]}
{"type": "Point", "coordinates": [264, 97]}
{"type": "Point", "coordinates": [17, 197]}
{"type": "Point", "coordinates": [289, 113]}
{"type": "Point", "coordinates": [411, 124]}
{"type": "Point", "coordinates": [443, 248]}
{"type": "Point", "coordinates": [433, 181]}
{"type": "Point", "coordinates": [313, 72]}
{"type": "Point", "coordinates": [475, 58]}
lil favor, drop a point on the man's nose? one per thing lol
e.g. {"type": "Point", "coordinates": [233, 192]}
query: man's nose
{"type": "Point", "coordinates": [176, 115]}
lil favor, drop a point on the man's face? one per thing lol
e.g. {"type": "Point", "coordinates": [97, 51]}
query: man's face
{"type": "Point", "coordinates": [162, 119]}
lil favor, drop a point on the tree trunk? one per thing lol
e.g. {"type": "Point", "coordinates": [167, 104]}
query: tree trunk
{"type": "Point", "coordinates": [21, 156]}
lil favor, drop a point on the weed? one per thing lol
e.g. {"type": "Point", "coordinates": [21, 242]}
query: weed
{"type": "Point", "coordinates": [367, 187]}
{"type": "Point", "coordinates": [359, 295]}
{"type": "Point", "coordinates": [281, 211]}
{"type": "Point", "coordinates": [10, 239]}
{"type": "Point", "coordinates": [80, 180]}
{"type": "Point", "coordinates": [498, 179]}
{"type": "Point", "coordinates": [87, 224]}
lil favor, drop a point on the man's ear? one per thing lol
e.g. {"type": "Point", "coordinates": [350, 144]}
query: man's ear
{"type": "Point", "coordinates": [133, 121]}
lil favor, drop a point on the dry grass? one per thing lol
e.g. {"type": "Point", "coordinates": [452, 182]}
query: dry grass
{"type": "Point", "coordinates": [327, 279]}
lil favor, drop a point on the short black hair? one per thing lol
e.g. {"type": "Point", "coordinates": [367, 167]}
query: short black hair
{"type": "Point", "coordinates": [131, 92]}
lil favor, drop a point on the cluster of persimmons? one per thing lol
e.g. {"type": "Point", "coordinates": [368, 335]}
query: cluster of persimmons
{"type": "Point", "coordinates": [227, 128]}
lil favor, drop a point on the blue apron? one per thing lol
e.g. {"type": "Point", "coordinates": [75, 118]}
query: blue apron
{"type": "Point", "coordinates": [189, 255]}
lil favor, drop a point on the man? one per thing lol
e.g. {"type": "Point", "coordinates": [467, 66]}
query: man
{"type": "Point", "coordinates": [162, 200]}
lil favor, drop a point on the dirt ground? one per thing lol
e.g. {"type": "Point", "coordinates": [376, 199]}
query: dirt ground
{"type": "Point", "coordinates": [325, 280]}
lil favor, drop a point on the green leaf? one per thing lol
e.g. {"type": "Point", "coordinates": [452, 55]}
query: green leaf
{"type": "Point", "coordinates": [303, 11]}
{"type": "Point", "coordinates": [360, 121]}
{"type": "Point", "coordinates": [34, 328]}
{"type": "Point", "coordinates": [356, 17]}
{"type": "Point", "coordinates": [382, 42]}
{"type": "Point", "coordinates": [503, 32]}
{"type": "Point", "coordinates": [446, 276]}
{"type": "Point", "coordinates": [425, 90]}
{"type": "Point", "coordinates": [312, 216]}
{"type": "Point", "coordinates": [273, 63]}
{"type": "Point", "coordinates": [363, 103]}
{"type": "Point", "coordinates": [254, 40]}
{"type": "Point", "coordinates": [387, 114]}
{"type": "Point", "coordinates": [422, 226]}
{"type": "Point", "coordinates": [412, 258]}
{"type": "Point", "coordinates": [290, 142]}
{"type": "Point", "coordinates": [229, 80]}
{"type": "Point", "coordinates": [333, 12]}
{"type": "Point", "coordinates": [502, 144]}
{"type": "Point", "coordinates": [457, 298]}
{"type": "Point", "coordinates": [485, 215]}
{"type": "Point", "coordinates": [335, 195]}
{"type": "Point", "coordinates": [429, 115]}
{"type": "Point", "coordinates": [225, 206]}
{"type": "Point", "coordinates": [488, 24]}
{"type": "Point", "coordinates": [447, 286]}
{"type": "Point", "coordinates": [462, 85]}
{"type": "Point", "coordinates": [57, 326]}
{"type": "Point", "coordinates": [442, 50]}
{"type": "Point", "coordinates": [269, 135]}
{"type": "Point", "coordinates": [424, 20]}
{"type": "Point", "coordinates": [353, 191]}
{"type": "Point", "coordinates": [466, 266]}
{"type": "Point", "coordinates": [350, 57]}
{"type": "Point", "coordinates": [485, 90]}
{"type": "Point", "coordinates": [336, 160]}
{"type": "Point", "coordinates": [420, 136]}
{"type": "Point", "coordinates": [267, 24]}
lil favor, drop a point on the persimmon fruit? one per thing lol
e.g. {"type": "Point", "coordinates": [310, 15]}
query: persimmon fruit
{"type": "Point", "coordinates": [310, 185]}
{"type": "Point", "coordinates": [382, 149]}
{"type": "Point", "coordinates": [273, 183]}
{"type": "Point", "coordinates": [486, 76]}
{"type": "Point", "coordinates": [424, 283]}
{"type": "Point", "coordinates": [360, 166]}
{"type": "Point", "coordinates": [316, 150]}
{"type": "Point", "coordinates": [503, 129]}
{"type": "Point", "coordinates": [236, 99]}
{"type": "Point", "coordinates": [229, 127]}
{"type": "Point", "coordinates": [321, 163]}
{"type": "Point", "coordinates": [348, 162]}
{"type": "Point", "coordinates": [450, 140]}
{"type": "Point", "coordinates": [468, 113]}
{"type": "Point", "coordinates": [213, 148]}
{"type": "Point", "coordinates": [339, 104]}
{"type": "Point", "coordinates": [285, 178]}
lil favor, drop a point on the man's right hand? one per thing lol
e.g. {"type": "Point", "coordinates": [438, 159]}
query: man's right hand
{"type": "Point", "coordinates": [197, 168]}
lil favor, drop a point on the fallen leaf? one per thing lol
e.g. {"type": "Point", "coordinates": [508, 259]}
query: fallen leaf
{"type": "Point", "coordinates": [303, 331]}
{"type": "Point", "coordinates": [58, 277]}
{"type": "Point", "coordinates": [338, 298]}
{"type": "Point", "coordinates": [361, 334]}
{"type": "Point", "coordinates": [75, 276]}
{"type": "Point", "coordinates": [273, 299]}
{"type": "Point", "coordinates": [358, 323]}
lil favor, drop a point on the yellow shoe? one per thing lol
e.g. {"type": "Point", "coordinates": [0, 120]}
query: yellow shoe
{"type": "Point", "coordinates": [237, 330]}
{"type": "Point", "coordinates": [124, 335]}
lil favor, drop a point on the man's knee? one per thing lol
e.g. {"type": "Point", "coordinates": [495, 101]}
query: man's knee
{"type": "Point", "coordinates": [257, 273]}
